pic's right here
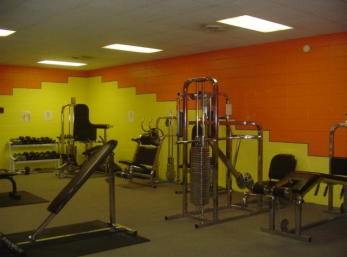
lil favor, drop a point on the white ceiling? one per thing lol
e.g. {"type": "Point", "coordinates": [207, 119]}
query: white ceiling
{"type": "Point", "coordinates": [64, 29]}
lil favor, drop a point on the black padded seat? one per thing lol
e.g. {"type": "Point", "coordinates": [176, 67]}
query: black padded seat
{"type": "Point", "coordinates": [334, 179]}
{"type": "Point", "coordinates": [338, 166]}
{"type": "Point", "coordinates": [144, 159]}
{"type": "Point", "coordinates": [4, 174]}
{"type": "Point", "coordinates": [102, 126]}
{"type": "Point", "coordinates": [280, 165]}
{"type": "Point", "coordinates": [81, 177]}
{"type": "Point", "coordinates": [299, 182]}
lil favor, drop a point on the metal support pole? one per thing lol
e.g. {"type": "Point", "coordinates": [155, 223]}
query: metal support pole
{"type": "Point", "coordinates": [298, 215]}
{"type": "Point", "coordinates": [112, 200]}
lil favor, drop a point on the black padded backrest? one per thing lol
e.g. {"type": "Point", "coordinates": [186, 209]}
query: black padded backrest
{"type": "Point", "coordinates": [83, 130]}
{"type": "Point", "coordinates": [146, 155]}
{"type": "Point", "coordinates": [338, 166]}
{"type": "Point", "coordinates": [281, 165]}
{"type": "Point", "coordinates": [81, 177]}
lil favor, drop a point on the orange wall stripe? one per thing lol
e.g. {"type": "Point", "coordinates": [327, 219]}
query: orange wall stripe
{"type": "Point", "coordinates": [30, 77]}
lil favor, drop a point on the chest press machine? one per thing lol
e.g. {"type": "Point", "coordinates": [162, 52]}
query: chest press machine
{"type": "Point", "coordinates": [106, 151]}
{"type": "Point", "coordinates": [201, 172]}
{"type": "Point", "coordinates": [295, 185]}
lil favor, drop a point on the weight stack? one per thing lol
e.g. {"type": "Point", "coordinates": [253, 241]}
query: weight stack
{"type": "Point", "coordinates": [170, 169]}
{"type": "Point", "coordinates": [200, 175]}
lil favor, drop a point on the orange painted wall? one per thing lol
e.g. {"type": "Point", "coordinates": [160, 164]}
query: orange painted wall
{"type": "Point", "coordinates": [297, 96]}
{"type": "Point", "coordinates": [30, 77]}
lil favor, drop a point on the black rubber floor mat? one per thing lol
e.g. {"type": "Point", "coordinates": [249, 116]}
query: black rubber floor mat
{"type": "Point", "coordinates": [25, 198]}
{"type": "Point", "coordinates": [72, 248]}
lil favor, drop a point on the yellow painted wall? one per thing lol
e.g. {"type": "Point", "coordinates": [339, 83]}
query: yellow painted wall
{"type": "Point", "coordinates": [51, 97]}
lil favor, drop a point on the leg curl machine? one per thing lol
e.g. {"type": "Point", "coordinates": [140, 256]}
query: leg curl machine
{"type": "Point", "coordinates": [105, 152]}
{"type": "Point", "coordinates": [295, 185]}
{"type": "Point", "coordinates": [203, 168]}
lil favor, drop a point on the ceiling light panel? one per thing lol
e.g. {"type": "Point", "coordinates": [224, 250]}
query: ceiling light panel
{"type": "Point", "coordinates": [5, 32]}
{"type": "Point", "coordinates": [249, 22]}
{"type": "Point", "coordinates": [130, 48]}
{"type": "Point", "coordinates": [62, 63]}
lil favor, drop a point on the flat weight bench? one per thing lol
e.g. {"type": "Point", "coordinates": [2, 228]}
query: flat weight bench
{"type": "Point", "coordinates": [295, 185]}
{"type": "Point", "coordinates": [5, 174]}
{"type": "Point", "coordinates": [68, 192]}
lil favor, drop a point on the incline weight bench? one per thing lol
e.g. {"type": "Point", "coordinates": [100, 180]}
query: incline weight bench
{"type": "Point", "coordinates": [68, 192]}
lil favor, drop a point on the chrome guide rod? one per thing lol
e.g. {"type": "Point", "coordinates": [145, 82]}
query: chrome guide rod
{"type": "Point", "coordinates": [331, 155]}
{"type": "Point", "coordinates": [112, 199]}
{"type": "Point", "coordinates": [62, 135]}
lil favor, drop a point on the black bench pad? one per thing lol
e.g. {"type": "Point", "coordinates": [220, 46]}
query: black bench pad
{"type": "Point", "coordinates": [299, 182]}
{"type": "Point", "coordinates": [80, 178]}
{"type": "Point", "coordinates": [338, 166]}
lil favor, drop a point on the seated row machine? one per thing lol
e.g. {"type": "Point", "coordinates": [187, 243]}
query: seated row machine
{"type": "Point", "coordinates": [105, 152]}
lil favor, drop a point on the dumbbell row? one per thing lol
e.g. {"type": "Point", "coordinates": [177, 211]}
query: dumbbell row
{"type": "Point", "coordinates": [32, 140]}
{"type": "Point", "coordinates": [28, 156]}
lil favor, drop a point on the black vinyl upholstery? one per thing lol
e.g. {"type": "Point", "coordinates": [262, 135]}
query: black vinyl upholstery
{"type": "Point", "coordinates": [281, 164]}
{"type": "Point", "coordinates": [144, 156]}
{"type": "Point", "coordinates": [338, 166]}
{"type": "Point", "coordinates": [299, 182]}
{"type": "Point", "coordinates": [84, 130]}
{"type": "Point", "coordinates": [81, 177]}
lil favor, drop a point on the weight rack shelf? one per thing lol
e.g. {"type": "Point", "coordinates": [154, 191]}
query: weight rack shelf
{"type": "Point", "coordinates": [13, 147]}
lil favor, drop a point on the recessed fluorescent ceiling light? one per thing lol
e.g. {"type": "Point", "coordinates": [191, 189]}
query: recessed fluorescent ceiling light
{"type": "Point", "coordinates": [138, 49]}
{"type": "Point", "coordinates": [62, 63]}
{"type": "Point", "coordinates": [249, 22]}
{"type": "Point", "coordinates": [5, 33]}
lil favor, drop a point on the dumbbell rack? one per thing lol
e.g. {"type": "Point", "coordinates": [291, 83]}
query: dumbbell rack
{"type": "Point", "coordinates": [12, 161]}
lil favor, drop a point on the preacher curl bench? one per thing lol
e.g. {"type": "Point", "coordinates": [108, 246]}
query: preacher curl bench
{"type": "Point", "coordinates": [106, 151]}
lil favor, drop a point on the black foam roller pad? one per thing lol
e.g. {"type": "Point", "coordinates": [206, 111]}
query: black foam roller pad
{"type": "Point", "coordinates": [281, 191]}
{"type": "Point", "coordinates": [260, 189]}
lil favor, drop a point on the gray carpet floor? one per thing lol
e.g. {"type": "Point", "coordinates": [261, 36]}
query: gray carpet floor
{"type": "Point", "coordinates": [144, 209]}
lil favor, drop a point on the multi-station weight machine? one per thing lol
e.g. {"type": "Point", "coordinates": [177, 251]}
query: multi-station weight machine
{"type": "Point", "coordinates": [202, 167]}
{"type": "Point", "coordinates": [79, 129]}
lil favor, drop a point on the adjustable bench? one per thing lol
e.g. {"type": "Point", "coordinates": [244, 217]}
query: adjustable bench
{"type": "Point", "coordinates": [68, 192]}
